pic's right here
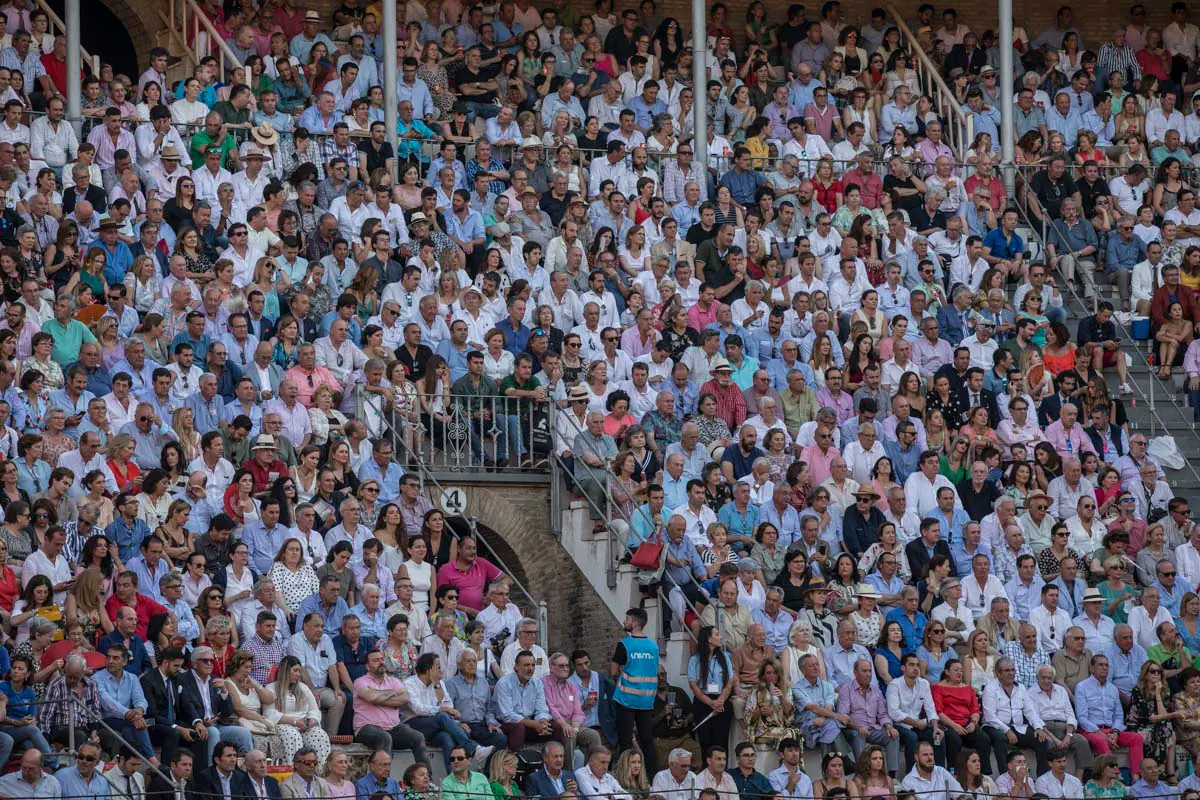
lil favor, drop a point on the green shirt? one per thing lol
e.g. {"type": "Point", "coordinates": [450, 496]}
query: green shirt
{"type": "Point", "coordinates": [476, 787]}
{"type": "Point", "coordinates": [518, 405]}
{"type": "Point", "coordinates": [67, 339]}
{"type": "Point", "coordinates": [1168, 659]}
{"type": "Point", "coordinates": [201, 140]}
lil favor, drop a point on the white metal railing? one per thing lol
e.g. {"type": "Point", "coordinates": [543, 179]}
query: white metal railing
{"type": "Point", "coordinates": [194, 32]}
{"type": "Point", "coordinates": [59, 28]}
{"type": "Point", "coordinates": [960, 127]}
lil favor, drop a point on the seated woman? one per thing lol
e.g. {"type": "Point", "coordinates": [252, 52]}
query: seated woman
{"type": "Point", "coordinates": [37, 601]}
{"type": "Point", "coordinates": [250, 699]}
{"type": "Point", "coordinates": [769, 711]}
{"type": "Point", "coordinates": [218, 631]}
{"type": "Point", "coordinates": [296, 714]}
{"type": "Point", "coordinates": [959, 710]}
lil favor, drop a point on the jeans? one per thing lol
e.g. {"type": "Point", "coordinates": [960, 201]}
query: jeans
{"type": "Point", "coordinates": [485, 736]}
{"type": "Point", "coordinates": [140, 739]}
{"type": "Point", "coordinates": [485, 110]}
{"type": "Point", "coordinates": [909, 738]}
{"type": "Point", "coordinates": [511, 424]}
{"type": "Point", "coordinates": [442, 731]}
{"type": "Point", "coordinates": [400, 737]}
{"type": "Point", "coordinates": [978, 741]}
{"type": "Point", "coordinates": [25, 733]}
{"type": "Point", "coordinates": [236, 734]}
{"type": "Point", "coordinates": [879, 737]}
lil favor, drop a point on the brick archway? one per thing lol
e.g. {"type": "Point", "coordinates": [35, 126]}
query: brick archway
{"type": "Point", "coordinates": [121, 32]}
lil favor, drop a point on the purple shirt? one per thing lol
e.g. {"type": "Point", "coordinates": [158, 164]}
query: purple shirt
{"type": "Point", "coordinates": [869, 710]}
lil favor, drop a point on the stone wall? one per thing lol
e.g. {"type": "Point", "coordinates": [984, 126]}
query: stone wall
{"type": "Point", "coordinates": [515, 520]}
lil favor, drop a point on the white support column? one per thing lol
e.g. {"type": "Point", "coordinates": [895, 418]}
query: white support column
{"type": "Point", "coordinates": [1007, 139]}
{"type": "Point", "coordinates": [699, 81]}
{"type": "Point", "coordinates": [389, 79]}
{"type": "Point", "coordinates": [74, 63]}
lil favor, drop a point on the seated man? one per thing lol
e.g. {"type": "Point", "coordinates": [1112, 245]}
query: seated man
{"type": "Point", "coordinates": [1101, 717]}
{"type": "Point", "coordinates": [521, 706]}
{"type": "Point", "coordinates": [123, 701]}
{"type": "Point", "coordinates": [431, 713]}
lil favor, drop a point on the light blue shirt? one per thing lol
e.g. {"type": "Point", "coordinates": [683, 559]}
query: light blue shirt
{"type": "Point", "coordinates": [148, 578]}
{"type": "Point", "coordinates": [417, 94]}
{"type": "Point", "coordinates": [262, 544]}
{"type": "Point", "coordinates": [1104, 130]}
{"type": "Point", "coordinates": [891, 116]}
{"type": "Point", "coordinates": [1067, 125]}
{"type": "Point", "coordinates": [372, 624]}
{"type": "Point", "coordinates": [333, 616]}
{"type": "Point", "coordinates": [206, 415]}
{"type": "Point", "coordinates": [1124, 668]}
{"type": "Point", "coordinates": [1098, 705]}
{"type": "Point", "coordinates": [778, 369]}
{"type": "Point", "coordinates": [516, 701]}
{"type": "Point", "coordinates": [787, 523]}
{"type": "Point", "coordinates": [1170, 600]}
{"type": "Point", "coordinates": [468, 229]}
{"type": "Point", "coordinates": [987, 121]}
{"type": "Point", "coordinates": [35, 479]}
{"type": "Point", "coordinates": [552, 104]}
{"type": "Point", "coordinates": [312, 121]}
{"type": "Point", "coordinates": [1024, 598]}
{"type": "Point", "coordinates": [642, 521]}
{"type": "Point", "coordinates": [60, 399]}
{"type": "Point", "coordinates": [839, 662]}
{"type": "Point", "coordinates": [119, 697]}
{"type": "Point", "coordinates": [643, 114]}
{"type": "Point", "coordinates": [777, 629]}
{"type": "Point", "coordinates": [389, 484]}
{"type": "Point", "coordinates": [820, 693]}
{"type": "Point", "coordinates": [72, 784]}
{"type": "Point", "coordinates": [799, 95]}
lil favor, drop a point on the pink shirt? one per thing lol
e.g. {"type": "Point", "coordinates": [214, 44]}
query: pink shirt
{"type": "Point", "coordinates": [1075, 437]}
{"type": "Point", "coordinates": [562, 698]}
{"type": "Point", "coordinates": [633, 344]}
{"type": "Point", "coordinates": [697, 318]}
{"type": "Point", "coordinates": [471, 583]}
{"type": "Point", "coordinates": [818, 463]}
{"type": "Point", "coordinates": [105, 147]}
{"type": "Point", "coordinates": [370, 714]}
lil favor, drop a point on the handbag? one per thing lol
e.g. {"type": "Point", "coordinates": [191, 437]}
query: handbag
{"type": "Point", "coordinates": [649, 554]}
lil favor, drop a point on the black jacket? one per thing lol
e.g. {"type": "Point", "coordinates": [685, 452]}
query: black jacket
{"type": "Point", "coordinates": [987, 400]}
{"type": "Point", "coordinates": [156, 689]}
{"type": "Point", "coordinates": [192, 706]}
{"type": "Point", "coordinates": [207, 785]}
{"type": "Point", "coordinates": [918, 556]}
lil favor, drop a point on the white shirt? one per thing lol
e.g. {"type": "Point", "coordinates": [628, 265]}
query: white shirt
{"type": "Point", "coordinates": [664, 784]}
{"type": "Point", "coordinates": [921, 493]}
{"type": "Point", "coordinates": [350, 220]}
{"type": "Point", "coordinates": [218, 478]}
{"type": "Point", "coordinates": [861, 461]}
{"type": "Point", "coordinates": [979, 598]}
{"type": "Point", "coordinates": [904, 701]}
{"type": "Point", "coordinates": [58, 571]}
{"type": "Point", "coordinates": [605, 786]}
{"type": "Point", "coordinates": [1009, 710]}
{"type": "Point", "coordinates": [1144, 628]}
{"type": "Point", "coordinates": [962, 270]}
{"type": "Point", "coordinates": [207, 184]}
{"type": "Point", "coordinates": [1051, 626]}
{"type": "Point", "coordinates": [1098, 635]}
{"type": "Point", "coordinates": [1055, 707]}
{"type": "Point", "coordinates": [341, 360]}
{"type": "Point", "coordinates": [1158, 123]}
{"type": "Point", "coordinates": [940, 781]}
{"type": "Point", "coordinates": [1128, 197]}
{"type": "Point", "coordinates": [1187, 559]}
{"type": "Point", "coordinates": [495, 620]}
{"type": "Point", "coordinates": [1069, 787]}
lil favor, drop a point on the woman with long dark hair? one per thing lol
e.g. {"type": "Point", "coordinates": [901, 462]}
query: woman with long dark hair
{"type": "Point", "coordinates": [710, 677]}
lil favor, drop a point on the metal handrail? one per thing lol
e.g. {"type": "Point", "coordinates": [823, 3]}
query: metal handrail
{"type": "Point", "coordinates": [1066, 288]}
{"type": "Point", "coordinates": [617, 549]}
{"type": "Point", "coordinates": [961, 125]}
{"type": "Point", "coordinates": [425, 475]}
{"type": "Point", "coordinates": [59, 28]}
{"type": "Point", "coordinates": [200, 24]}
{"type": "Point", "coordinates": [99, 719]}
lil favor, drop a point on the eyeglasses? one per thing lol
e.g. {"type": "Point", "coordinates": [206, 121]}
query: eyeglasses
{"type": "Point", "coordinates": [371, 489]}
{"type": "Point", "coordinates": [204, 660]}
{"type": "Point", "coordinates": [1166, 574]}
{"type": "Point", "coordinates": [458, 758]}
{"type": "Point", "coordinates": [308, 762]}
{"type": "Point", "coordinates": [88, 759]}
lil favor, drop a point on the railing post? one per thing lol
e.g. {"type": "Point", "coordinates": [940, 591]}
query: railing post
{"type": "Point", "coordinates": [74, 64]}
{"type": "Point", "coordinates": [544, 625]}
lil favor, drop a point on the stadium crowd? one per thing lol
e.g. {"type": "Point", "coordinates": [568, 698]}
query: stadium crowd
{"type": "Point", "coordinates": [819, 385]}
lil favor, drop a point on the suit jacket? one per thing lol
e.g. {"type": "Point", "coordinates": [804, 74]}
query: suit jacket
{"type": "Point", "coordinates": [918, 556]}
{"type": "Point", "coordinates": [293, 789]}
{"type": "Point", "coordinates": [971, 62]}
{"type": "Point", "coordinates": [987, 400]}
{"type": "Point", "coordinates": [1050, 409]}
{"type": "Point", "coordinates": [950, 325]}
{"type": "Point", "coordinates": [156, 687]}
{"type": "Point", "coordinates": [207, 785]}
{"type": "Point", "coordinates": [191, 704]}
{"type": "Point", "coordinates": [274, 371]}
{"type": "Point", "coordinates": [539, 783]}
{"type": "Point", "coordinates": [684, 251]}
{"type": "Point", "coordinates": [160, 789]}
{"type": "Point", "coordinates": [271, 785]}
{"type": "Point", "coordinates": [263, 329]}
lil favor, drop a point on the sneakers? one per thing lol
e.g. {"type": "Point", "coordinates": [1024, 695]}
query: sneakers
{"type": "Point", "coordinates": [480, 757]}
{"type": "Point", "coordinates": [1125, 388]}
